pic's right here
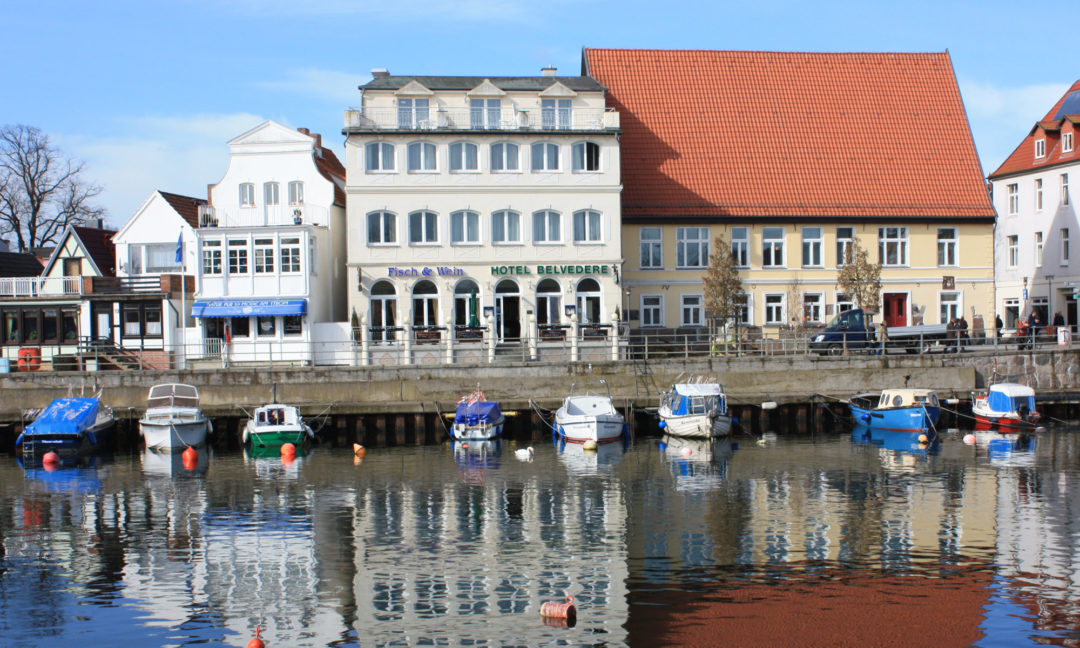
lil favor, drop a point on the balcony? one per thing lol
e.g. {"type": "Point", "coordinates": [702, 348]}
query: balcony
{"type": "Point", "coordinates": [466, 119]}
{"type": "Point", "coordinates": [40, 286]}
{"type": "Point", "coordinates": [52, 287]}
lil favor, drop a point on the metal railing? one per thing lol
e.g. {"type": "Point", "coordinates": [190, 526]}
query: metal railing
{"type": "Point", "coordinates": [38, 286]}
{"type": "Point", "coordinates": [505, 119]}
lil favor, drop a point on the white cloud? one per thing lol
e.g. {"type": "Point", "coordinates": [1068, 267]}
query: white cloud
{"type": "Point", "coordinates": [338, 87]}
{"type": "Point", "coordinates": [180, 154]}
{"type": "Point", "coordinates": [1001, 116]}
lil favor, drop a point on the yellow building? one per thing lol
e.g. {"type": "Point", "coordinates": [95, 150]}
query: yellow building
{"type": "Point", "coordinates": [790, 157]}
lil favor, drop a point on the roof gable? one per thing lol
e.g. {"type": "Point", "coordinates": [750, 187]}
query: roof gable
{"type": "Point", "coordinates": [95, 245]}
{"type": "Point", "coordinates": [557, 90]}
{"type": "Point", "coordinates": [185, 207]}
{"type": "Point", "coordinates": [1023, 158]}
{"type": "Point", "coordinates": [269, 132]}
{"type": "Point", "coordinates": [791, 134]}
{"type": "Point", "coordinates": [413, 88]}
{"type": "Point", "coordinates": [486, 89]}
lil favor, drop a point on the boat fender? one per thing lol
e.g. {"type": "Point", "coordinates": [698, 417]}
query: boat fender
{"type": "Point", "coordinates": [662, 424]}
{"type": "Point", "coordinates": [50, 459]}
{"type": "Point", "coordinates": [865, 417]}
{"type": "Point", "coordinates": [768, 405]}
{"type": "Point", "coordinates": [734, 419]}
{"type": "Point", "coordinates": [952, 401]}
{"type": "Point", "coordinates": [969, 439]}
{"type": "Point", "coordinates": [559, 610]}
{"type": "Point", "coordinates": [625, 429]}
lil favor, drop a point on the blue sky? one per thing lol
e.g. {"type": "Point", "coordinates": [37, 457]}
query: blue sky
{"type": "Point", "coordinates": [147, 93]}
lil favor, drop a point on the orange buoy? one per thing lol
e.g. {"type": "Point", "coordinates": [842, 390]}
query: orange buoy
{"type": "Point", "coordinates": [559, 610]}
{"type": "Point", "coordinates": [358, 450]}
{"type": "Point", "coordinates": [256, 642]}
{"type": "Point", "coordinates": [288, 450]}
{"type": "Point", "coordinates": [50, 459]}
{"type": "Point", "coordinates": [190, 455]}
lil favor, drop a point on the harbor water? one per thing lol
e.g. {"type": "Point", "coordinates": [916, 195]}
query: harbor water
{"type": "Point", "coordinates": [831, 538]}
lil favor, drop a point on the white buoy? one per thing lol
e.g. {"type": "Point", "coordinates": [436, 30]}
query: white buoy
{"type": "Point", "coordinates": [969, 439]}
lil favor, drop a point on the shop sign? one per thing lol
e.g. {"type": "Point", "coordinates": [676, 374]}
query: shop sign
{"type": "Point", "coordinates": [576, 269]}
{"type": "Point", "coordinates": [414, 271]}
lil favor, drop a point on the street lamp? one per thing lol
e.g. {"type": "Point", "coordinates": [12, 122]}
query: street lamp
{"type": "Point", "coordinates": [1050, 299]}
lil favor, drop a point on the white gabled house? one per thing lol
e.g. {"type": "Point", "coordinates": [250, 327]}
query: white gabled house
{"type": "Point", "coordinates": [271, 250]}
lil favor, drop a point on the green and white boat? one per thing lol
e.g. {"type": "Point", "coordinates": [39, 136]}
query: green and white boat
{"type": "Point", "coordinates": [276, 424]}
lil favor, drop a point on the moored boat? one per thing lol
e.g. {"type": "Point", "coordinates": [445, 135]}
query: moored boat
{"type": "Point", "coordinates": [695, 409]}
{"type": "Point", "coordinates": [70, 427]}
{"type": "Point", "coordinates": [588, 416]}
{"type": "Point", "coordinates": [896, 410]}
{"type": "Point", "coordinates": [275, 425]}
{"type": "Point", "coordinates": [1008, 407]}
{"type": "Point", "coordinates": [173, 420]}
{"type": "Point", "coordinates": [477, 418]}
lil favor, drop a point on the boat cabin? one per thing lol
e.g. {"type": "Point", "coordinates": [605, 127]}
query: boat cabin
{"type": "Point", "coordinates": [276, 415]}
{"type": "Point", "coordinates": [695, 398]}
{"type": "Point", "coordinates": [896, 398]}
{"type": "Point", "coordinates": [1011, 397]}
{"type": "Point", "coordinates": [172, 395]}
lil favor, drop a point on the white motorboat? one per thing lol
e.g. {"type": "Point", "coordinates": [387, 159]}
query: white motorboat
{"type": "Point", "coordinates": [696, 409]}
{"type": "Point", "coordinates": [173, 420]}
{"type": "Point", "coordinates": [589, 416]}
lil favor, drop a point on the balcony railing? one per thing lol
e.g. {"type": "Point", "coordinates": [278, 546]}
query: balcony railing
{"type": "Point", "coordinates": [39, 286]}
{"type": "Point", "coordinates": [466, 119]}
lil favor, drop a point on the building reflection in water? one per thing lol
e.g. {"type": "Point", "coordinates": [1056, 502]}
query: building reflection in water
{"type": "Point", "coordinates": [454, 545]}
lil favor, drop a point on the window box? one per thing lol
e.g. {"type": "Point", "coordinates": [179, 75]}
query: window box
{"type": "Point", "coordinates": [467, 334]}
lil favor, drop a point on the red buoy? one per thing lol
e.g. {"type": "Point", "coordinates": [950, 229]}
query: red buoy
{"type": "Point", "coordinates": [288, 450]}
{"type": "Point", "coordinates": [256, 642]}
{"type": "Point", "coordinates": [191, 455]}
{"type": "Point", "coordinates": [50, 460]}
{"type": "Point", "coordinates": [559, 610]}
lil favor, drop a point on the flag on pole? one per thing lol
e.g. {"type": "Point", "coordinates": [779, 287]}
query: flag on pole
{"type": "Point", "coordinates": [180, 248]}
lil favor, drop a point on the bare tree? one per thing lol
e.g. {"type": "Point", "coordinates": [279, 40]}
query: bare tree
{"type": "Point", "coordinates": [41, 190]}
{"type": "Point", "coordinates": [723, 286]}
{"type": "Point", "coordinates": [860, 279]}
{"type": "Point", "coordinates": [796, 316]}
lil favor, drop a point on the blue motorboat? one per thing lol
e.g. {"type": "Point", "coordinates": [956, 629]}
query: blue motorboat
{"type": "Point", "coordinates": [70, 427]}
{"type": "Point", "coordinates": [896, 410]}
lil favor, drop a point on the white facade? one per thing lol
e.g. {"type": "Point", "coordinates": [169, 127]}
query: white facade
{"type": "Point", "coordinates": [1036, 253]}
{"type": "Point", "coordinates": [271, 250]}
{"type": "Point", "coordinates": [483, 203]}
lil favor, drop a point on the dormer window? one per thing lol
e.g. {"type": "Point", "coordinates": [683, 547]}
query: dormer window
{"type": "Point", "coordinates": [1066, 142]}
{"type": "Point", "coordinates": [485, 113]}
{"type": "Point", "coordinates": [1040, 148]}
{"type": "Point", "coordinates": [555, 113]}
{"type": "Point", "coordinates": [413, 113]}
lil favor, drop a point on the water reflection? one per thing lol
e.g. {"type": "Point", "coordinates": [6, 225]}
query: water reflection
{"type": "Point", "coordinates": [656, 539]}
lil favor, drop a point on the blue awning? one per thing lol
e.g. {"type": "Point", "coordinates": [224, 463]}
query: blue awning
{"type": "Point", "coordinates": [248, 307]}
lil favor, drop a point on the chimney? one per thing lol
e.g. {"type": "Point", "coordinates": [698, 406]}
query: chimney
{"type": "Point", "coordinates": [304, 131]}
{"type": "Point", "coordinates": [379, 73]}
{"type": "Point", "coordinates": [101, 223]}
{"type": "Point", "coordinates": [549, 70]}
{"type": "Point", "coordinates": [315, 136]}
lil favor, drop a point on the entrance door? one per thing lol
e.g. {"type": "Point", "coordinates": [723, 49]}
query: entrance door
{"type": "Point", "coordinates": [507, 311]}
{"type": "Point", "coordinates": [1070, 314]}
{"type": "Point", "coordinates": [101, 321]}
{"type": "Point", "coordinates": [895, 307]}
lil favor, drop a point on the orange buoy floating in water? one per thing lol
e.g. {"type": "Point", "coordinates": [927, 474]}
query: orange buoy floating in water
{"type": "Point", "coordinates": [358, 450]}
{"type": "Point", "coordinates": [559, 610]}
{"type": "Point", "coordinates": [256, 642]}
{"type": "Point", "coordinates": [288, 450]}
{"type": "Point", "coordinates": [50, 460]}
{"type": "Point", "coordinates": [190, 457]}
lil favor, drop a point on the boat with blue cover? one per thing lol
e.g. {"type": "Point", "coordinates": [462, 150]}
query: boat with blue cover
{"type": "Point", "coordinates": [1009, 407]}
{"type": "Point", "coordinates": [896, 410]}
{"type": "Point", "coordinates": [477, 418]}
{"type": "Point", "coordinates": [70, 427]}
{"type": "Point", "coordinates": [695, 409]}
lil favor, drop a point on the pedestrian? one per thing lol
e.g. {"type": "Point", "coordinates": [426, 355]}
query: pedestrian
{"type": "Point", "coordinates": [1033, 326]}
{"type": "Point", "coordinates": [998, 325]}
{"type": "Point", "coordinates": [963, 326]}
{"type": "Point", "coordinates": [1059, 321]}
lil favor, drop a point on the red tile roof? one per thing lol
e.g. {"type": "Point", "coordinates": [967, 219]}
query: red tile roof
{"type": "Point", "coordinates": [333, 170]}
{"type": "Point", "coordinates": [99, 245]}
{"type": "Point", "coordinates": [791, 134]}
{"type": "Point", "coordinates": [186, 206]}
{"type": "Point", "coordinates": [1051, 128]}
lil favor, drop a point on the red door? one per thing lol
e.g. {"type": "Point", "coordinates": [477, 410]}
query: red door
{"type": "Point", "coordinates": [895, 307]}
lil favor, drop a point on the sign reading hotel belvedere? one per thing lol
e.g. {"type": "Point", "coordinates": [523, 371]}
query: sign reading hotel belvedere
{"type": "Point", "coordinates": [550, 270]}
{"type": "Point", "coordinates": [437, 271]}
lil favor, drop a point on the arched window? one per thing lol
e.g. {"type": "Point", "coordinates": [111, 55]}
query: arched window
{"type": "Point", "coordinates": [504, 156]}
{"type": "Point", "coordinates": [425, 303]}
{"type": "Point", "coordinates": [382, 228]}
{"type": "Point", "coordinates": [421, 156]}
{"type": "Point", "coordinates": [378, 156]}
{"type": "Point", "coordinates": [467, 303]}
{"type": "Point", "coordinates": [547, 227]}
{"type": "Point", "coordinates": [587, 226]}
{"type": "Point", "coordinates": [463, 157]}
{"type": "Point", "coordinates": [423, 227]}
{"type": "Point", "coordinates": [586, 156]}
{"type": "Point", "coordinates": [464, 227]}
{"type": "Point", "coordinates": [383, 306]}
{"type": "Point", "coordinates": [548, 302]}
{"type": "Point", "coordinates": [505, 226]}
{"type": "Point", "coordinates": [588, 302]}
{"type": "Point", "coordinates": [545, 156]}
